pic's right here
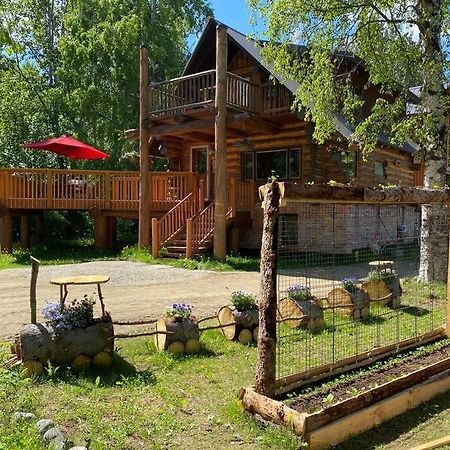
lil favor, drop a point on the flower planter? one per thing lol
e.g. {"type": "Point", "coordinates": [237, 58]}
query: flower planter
{"type": "Point", "coordinates": [353, 304]}
{"type": "Point", "coordinates": [301, 313]}
{"type": "Point", "coordinates": [177, 334]}
{"type": "Point", "coordinates": [238, 325]}
{"type": "Point", "coordinates": [42, 342]}
{"type": "Point", "coordinates": [331, 424]}
{"type": "Point", "coordinates": [386, 291]}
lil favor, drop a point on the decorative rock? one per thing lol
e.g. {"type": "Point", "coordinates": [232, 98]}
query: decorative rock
{"type": "Point", "coordinates": [53, 433]}
{"type": "Point", "coordinates": [27, 417]}
{"type": "Point", "coordinates": [44, 424]}
{"type": "Point", "coordinates": [60, 444]}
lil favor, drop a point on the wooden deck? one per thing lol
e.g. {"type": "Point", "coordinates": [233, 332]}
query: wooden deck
{"type": "Point", "coordinates": [84, 189]}
{"type": "Point", "coordinates": [197, 91]}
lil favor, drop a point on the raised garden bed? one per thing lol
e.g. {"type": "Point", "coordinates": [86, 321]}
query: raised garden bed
{"type": "Point", "coordinates": [329, 413]}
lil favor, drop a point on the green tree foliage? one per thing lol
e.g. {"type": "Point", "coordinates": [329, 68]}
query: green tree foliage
{"type": "Point", "coordinates": [396, 42]}
{"type": "Point", "coordinates": [72, 67]}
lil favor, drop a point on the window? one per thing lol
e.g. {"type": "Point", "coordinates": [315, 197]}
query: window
{"type": "Point", "coordinates": [248, 169]}
{"type": "Point", "coordinates": [379, 169]}
{"type": "Point", "coordinates": [285, 164]}
{"type": "Point", "coordinates": [288, 230]}
{"type": "Point", "coordinates": [271, 163]}
{"type": "Point", "coordinates": [349, 163]}
{"type": "Point", "coordinates": [199, 160]}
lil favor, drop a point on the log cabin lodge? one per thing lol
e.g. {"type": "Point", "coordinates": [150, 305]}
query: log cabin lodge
{"type": "Point", "coordinates": [224, 126]}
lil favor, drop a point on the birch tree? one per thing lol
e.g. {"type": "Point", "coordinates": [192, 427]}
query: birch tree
{"type": "Point", "coordinates": [398, 44]}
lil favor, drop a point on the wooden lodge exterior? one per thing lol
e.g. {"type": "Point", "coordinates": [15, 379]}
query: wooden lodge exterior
{"type": "Point", "coordinates": [224, 127]}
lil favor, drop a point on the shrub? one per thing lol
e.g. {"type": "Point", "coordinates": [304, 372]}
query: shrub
{"type": "Point", "coordinates": [299, 292]}
{"type": "Point", "coordinates": [79, 314]}
{"type": "Point", "coordinates": [243, 300]}
{"type": "Point", "coordinates": [179, 311]}
{"type": "Point", "coordinates": [349, 284]}
{"type": "Point", "coordinates": [378, 275]}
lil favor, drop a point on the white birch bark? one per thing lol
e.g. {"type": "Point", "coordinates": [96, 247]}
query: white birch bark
{"type": "Point", "coordinates": [434, 226]}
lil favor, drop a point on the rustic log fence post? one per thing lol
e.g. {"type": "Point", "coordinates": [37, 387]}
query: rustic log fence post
{"type": "Point", "coordinates": [34, 274]}
{"type": "Point", "coordinates": [266, 357]}
{"type": "Point", "coordinates": [447, 322]}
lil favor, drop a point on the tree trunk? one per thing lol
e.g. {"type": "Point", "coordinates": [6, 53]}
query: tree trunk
{"type": "Point", "coordinates": [234, 321]}
{"type": "Point", "coordinates": [266, 358]}
{"type": "Point", "coordinates": [434, 229]}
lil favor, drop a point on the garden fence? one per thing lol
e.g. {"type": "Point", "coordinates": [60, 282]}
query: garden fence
{"type": "Point", "coordinates": [350, 281]}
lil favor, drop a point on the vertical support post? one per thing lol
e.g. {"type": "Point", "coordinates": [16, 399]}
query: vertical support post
{"type": "Point", "coordinates": [189, 238]}
{"type": "Point", "coordinates": [266, 356]}
{"type": "Point", "coordinates": [49, 189]}
{"type": "Point", "coordinates": [447, 322]}
{"type": "Point", "coordinates": [34, 274]}
{"type": "Point", "coordinates": [25, 232]}
{"type": "Point", "coordinates": [101, 231]}
{"type": "Point", "coordinates": [155, 238]}
{"type": "Point", "coordinates": [144, 200]}
{"type": "Point", "coordinates": [220, 197]}
{"type": "Point", "coordinates": [6, 233]}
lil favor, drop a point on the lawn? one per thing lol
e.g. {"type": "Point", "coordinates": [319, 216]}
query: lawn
{"type": "Point", "coordinates": [82, 250]}
{"type": "Point", "coordinates": [154, 401]}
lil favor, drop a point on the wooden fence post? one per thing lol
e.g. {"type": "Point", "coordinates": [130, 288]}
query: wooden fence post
{"type": "Point", "coordinates": [266, 356]}
{"type": "Point", "coordinates": [34, 274]}
{"type": "Point", "coordinates": [447, 326]}
{"type": "Point", "coordinates": [155, 238]}
{"type": "Point", "coordinates": [189, 238]}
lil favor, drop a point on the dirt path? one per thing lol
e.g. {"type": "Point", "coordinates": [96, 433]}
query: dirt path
{"type": "Point", "coordinates": [135, 290]}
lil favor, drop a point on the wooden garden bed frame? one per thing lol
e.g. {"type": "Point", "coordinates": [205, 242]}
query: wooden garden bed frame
{"type": "Point", "coordinates": [335, 424]}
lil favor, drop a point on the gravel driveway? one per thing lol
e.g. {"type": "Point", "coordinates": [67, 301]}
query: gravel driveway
{"type": "Point", "coordinates": [136, 290]}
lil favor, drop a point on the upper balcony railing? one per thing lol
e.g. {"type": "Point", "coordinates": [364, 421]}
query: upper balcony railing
{"type": "Point", "coordinates": [199, 90]}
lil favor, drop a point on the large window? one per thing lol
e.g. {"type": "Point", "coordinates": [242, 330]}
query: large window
{"type": "Point", "coordinates": [283, 163]}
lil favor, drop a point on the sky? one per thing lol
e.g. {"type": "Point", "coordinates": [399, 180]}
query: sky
{"type": "Point", "coordinates": [234, 13]}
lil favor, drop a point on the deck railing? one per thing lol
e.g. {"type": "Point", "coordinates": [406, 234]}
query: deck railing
{"type": "Point", "coordinates": [84, 189]}
{"type": "Point", "coordinates": [178, 95]}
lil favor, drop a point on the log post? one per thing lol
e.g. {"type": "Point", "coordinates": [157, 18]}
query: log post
{"type": "Point", "coordinates": [6, 233]}
{"type": "Point", "coordinates": [155, 238]}
{"type": "Point", "coordinates": [101, 231]}
{"type": "Point", "coordinates": [25, 232]}
{"type": "Point", "coordinates": [447, 326]}
{"type": "Point", "coordinates": [220, 197]}
{"type": "Point", "coordinates": [144, 200]}
{"type": "Point", "coordinates": [266, 356]}
{"type": "Point", "coordinates": [233, 197]}
{"type": "Point", "coordinates": [34, 274]}
{"type": "Point", "coordinates": [189, 238]}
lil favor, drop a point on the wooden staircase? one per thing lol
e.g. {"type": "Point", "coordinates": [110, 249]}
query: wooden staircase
{"type": "Point", "coordinates": [187, 230]}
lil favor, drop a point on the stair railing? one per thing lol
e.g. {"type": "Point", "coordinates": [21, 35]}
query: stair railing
{"type": "Point", "coordinates": [199, 229]}
{"type": "Point", "coordinates": [166, 228]}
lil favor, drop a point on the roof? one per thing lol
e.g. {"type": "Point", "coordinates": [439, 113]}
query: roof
{"type": "Point", "coordinates": [253, 48]}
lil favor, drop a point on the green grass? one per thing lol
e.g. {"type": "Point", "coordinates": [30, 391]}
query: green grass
{"type": "Point", "coordinates": [154, 401]}
{"type": "Point", "coordinates": [148, 401]}
{"type": "Point", "coordinates": [73, 252]}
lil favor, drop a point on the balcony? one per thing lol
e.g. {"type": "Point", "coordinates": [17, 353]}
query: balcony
{"type": "Point", "coordinates": [197, 92]}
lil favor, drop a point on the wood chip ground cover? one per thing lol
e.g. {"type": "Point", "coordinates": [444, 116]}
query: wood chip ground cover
{"type": "Point", "coordinates": [349, 385]}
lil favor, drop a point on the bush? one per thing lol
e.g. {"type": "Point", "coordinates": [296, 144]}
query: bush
{"type": "Point", "coordinates": [242, 300]}
{"type": "Point", "coordinates": [349, 284]}
{"type": "Point", "coordinates": [299, 292]}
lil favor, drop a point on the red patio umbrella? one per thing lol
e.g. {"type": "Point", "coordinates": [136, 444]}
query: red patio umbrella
{"type": "Point", "coordinates": [68, 146]}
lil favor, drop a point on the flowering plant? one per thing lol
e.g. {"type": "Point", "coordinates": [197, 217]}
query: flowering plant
{"type": "Point", "coordinates": [378, 275]}
{"type": "Point", "coordinates": [243, 300]}
{"type": "Point", "coordinates": [179, 311]}
{"type": "Point", "coordinates": [349, 284]}
{"type": "Point", "coordinates": [79, 314]}
{"type": "Point", "coordinates": [299, 292]}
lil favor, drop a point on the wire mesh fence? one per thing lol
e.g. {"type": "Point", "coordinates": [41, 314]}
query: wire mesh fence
{"type": "Point", "coordinates": [349, 280]}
